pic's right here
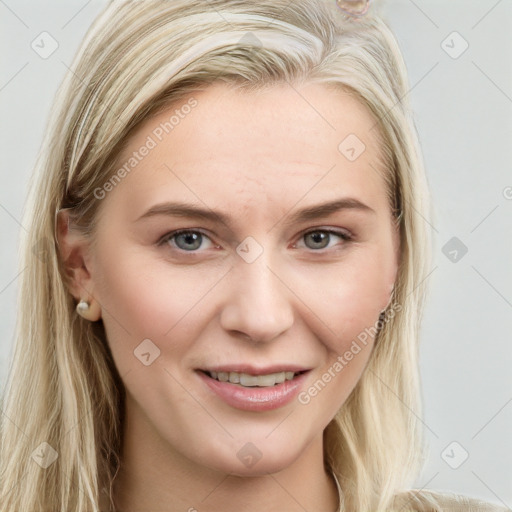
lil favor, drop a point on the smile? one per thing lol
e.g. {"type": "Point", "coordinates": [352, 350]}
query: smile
{"type": "Point", "coordinates": [245, 390]}
{"type": "Point", "coordinates": [248, 380]}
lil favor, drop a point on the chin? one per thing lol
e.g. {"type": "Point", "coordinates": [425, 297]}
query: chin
{"type": "Point", "coordinates": [253, 458]}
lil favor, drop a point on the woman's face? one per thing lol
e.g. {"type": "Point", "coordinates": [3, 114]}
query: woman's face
{"type": "Point", "coordinates": [289, 255]}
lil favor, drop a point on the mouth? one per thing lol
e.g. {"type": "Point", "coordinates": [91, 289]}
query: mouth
{"type": "Point", "coordinates": [248, 380]}
{"type": "Point", "coordinates": [254, 389]}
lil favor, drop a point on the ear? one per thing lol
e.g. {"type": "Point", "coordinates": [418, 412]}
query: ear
{"type": "Point", "coordinates": [397, 245]}
{"type": "Point", "coordinates": [391, 297]}
{"type": "Point", "coordinates": [74, 251]}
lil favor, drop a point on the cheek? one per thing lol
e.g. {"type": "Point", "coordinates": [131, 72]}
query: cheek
{"type": "Point", "coordinates": [349, 297]}
{"type": "Point", "coordinates": [144, 299]}
{"type": "Point", "coordinates": [347, 308]}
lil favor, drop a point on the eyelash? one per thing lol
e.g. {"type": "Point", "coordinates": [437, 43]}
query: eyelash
{"type": "Point", "coordinates": [169, 236]}
{"type": "Point", "coordinates": [341, 234]}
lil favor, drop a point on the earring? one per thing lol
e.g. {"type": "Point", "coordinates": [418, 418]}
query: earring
{"type": "Point", "coordinates": [82, 307]}
{"type": "Point", "coordinates": [89, 311]}
{"type": "Point", "coordinates": [382, 320]}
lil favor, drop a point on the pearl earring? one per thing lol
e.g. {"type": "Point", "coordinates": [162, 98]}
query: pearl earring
{"type": "Point", "coordinates": [82, 308]}
{"type": "Point", "coordinates": [89, 310]}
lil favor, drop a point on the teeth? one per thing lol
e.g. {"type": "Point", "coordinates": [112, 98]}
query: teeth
{"type": "Point", "coordinates": [247, 380]}
{"type": "Point", "coordinates": [223, 376]}
{"type": "Point", "coordinates": [252, 380]}
{"type": "Point", "coordinates": [280, 377]}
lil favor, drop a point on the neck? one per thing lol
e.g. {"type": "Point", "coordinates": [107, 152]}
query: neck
{"type": "Point", "coordinates": [154, 476]}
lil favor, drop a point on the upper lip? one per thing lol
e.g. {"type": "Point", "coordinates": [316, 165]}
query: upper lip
{"type": "Point", "coordinates": [254, 370]}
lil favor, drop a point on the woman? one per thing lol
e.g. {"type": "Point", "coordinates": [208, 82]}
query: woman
{"type": "Point", "coordinates": [225, 269]}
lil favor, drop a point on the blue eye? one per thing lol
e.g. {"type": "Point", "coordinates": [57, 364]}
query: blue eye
{"type": "Point", "coordinates": [188, 240]}
{"type": "Point", "coordinates": [321, 238]}
{"type": "Point", "coordinates": [185, 240]}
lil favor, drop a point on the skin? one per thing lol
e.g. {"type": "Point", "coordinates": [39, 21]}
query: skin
{"type": "Point", "coordinates": [257, 157]}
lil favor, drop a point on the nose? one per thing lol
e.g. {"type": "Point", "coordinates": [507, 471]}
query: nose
{"type": "Point", "coordinates": [258, 302]}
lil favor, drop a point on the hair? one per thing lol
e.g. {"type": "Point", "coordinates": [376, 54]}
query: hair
{"type": "Point", "coordinates": [136, 59]}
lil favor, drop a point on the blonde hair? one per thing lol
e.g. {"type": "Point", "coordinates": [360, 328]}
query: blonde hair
{"type": "Point", "coordinates": [136, 59]}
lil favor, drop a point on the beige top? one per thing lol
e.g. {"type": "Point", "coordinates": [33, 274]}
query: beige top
{"type": "Point", "coordinates": [434, 501]}
{"type": "Point", "coordinates": [439, 501]}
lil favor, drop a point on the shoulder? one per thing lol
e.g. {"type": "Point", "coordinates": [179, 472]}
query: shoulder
{"type": "Point", "coordinates": [440, 501]}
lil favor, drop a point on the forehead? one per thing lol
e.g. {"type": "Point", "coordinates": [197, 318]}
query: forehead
{"type": "Point", "coordinates": [277, 144]}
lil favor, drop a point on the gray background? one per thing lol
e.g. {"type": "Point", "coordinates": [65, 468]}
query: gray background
{"type": "Point", "coordinates": [463, 111]}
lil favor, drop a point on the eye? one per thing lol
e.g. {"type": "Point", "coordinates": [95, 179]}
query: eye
{"type": "Point", "coordinates": [322, 238]}
{"type": "Point", "coordinates": [186, 240]}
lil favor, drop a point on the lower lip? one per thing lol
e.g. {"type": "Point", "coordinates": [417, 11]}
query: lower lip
{"type": "Point", "coordinates": [255, 398]}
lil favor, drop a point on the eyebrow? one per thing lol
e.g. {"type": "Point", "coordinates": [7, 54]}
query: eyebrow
{"type": "Point", "coordinates": [179, 209]}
